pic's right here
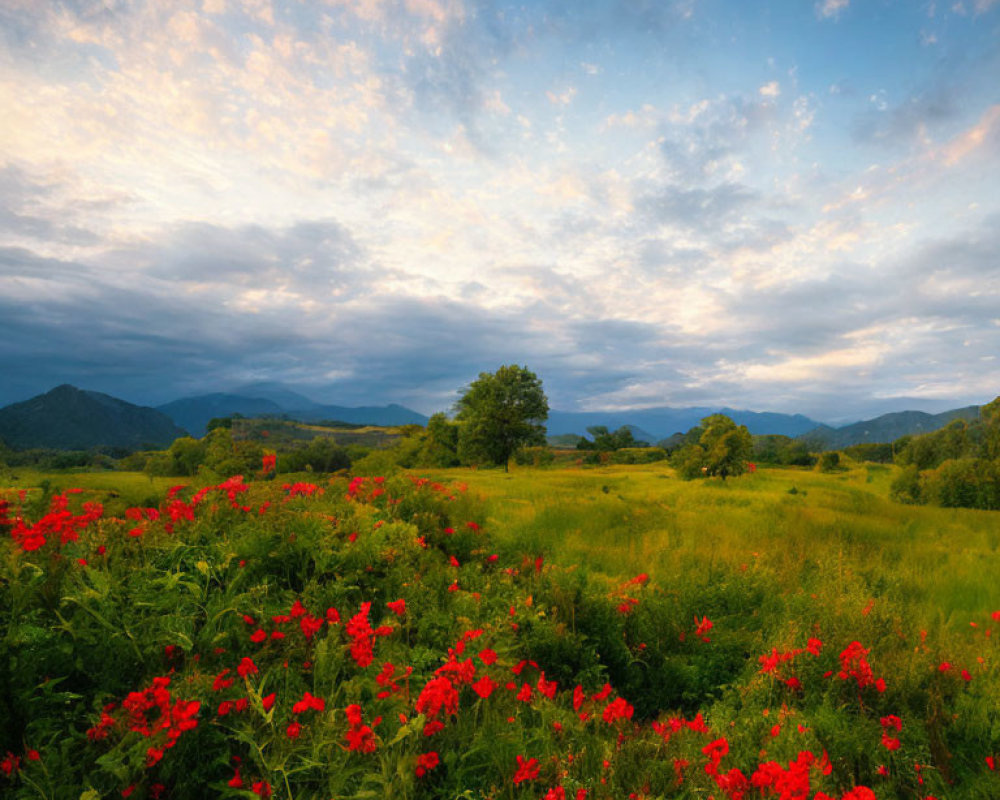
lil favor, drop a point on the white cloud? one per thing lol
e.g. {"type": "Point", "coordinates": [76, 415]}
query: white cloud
{"type": "Point", "coordinates": [831, 8]}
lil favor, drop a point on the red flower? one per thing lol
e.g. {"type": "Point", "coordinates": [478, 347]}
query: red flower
{"type": "Point", "coordinates": [484, 687]}
{"type": "Point", "coordinates": [293, 730]}
{"type": "Point", "coordinates": [547, 688]}
{"type": "Point", "coordinates": [397, 607]}
{"type": "Point", "coordinates": [526, 770]}
{"type": "Point", "coordinates": [247, 667]}
{"type": "Point", "coordinates": [309, 702]}
{"type": "Point", "coordinates": [268, 701]}
{"type": "Point", "coordinates": [221, 681]}
{"type": "Point", "coordinates": [425, 762]}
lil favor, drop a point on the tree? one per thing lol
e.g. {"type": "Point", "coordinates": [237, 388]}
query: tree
{"type": "Point", "coordinates": [727, 446]}
{"type": "Point", "coordinates": [722, 448]}
{"type": "Point", "coordinates": [501, 412]}
{"type": "Point", "coordinates": [605, 441]}
{"type": "Point", "coordinates": [441, 443]}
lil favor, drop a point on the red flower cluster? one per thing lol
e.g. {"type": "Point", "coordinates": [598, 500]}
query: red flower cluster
{"type": "Point", "coordinates": [359, 736]}
{"type": "Point", "coordinates": [526, 770]}
{"type": "Point", "coordinates": [155, 714]}
{"type": "Point", "coordinates": [59, 521]}
{"type": "Point", "coordinates": [425, 762]}
{"type": "Point", "coordinates": [889, 723]}
{"type": "Point", "coordinates": [359, 629]}
{"type": "Point", "coordinates": [854, 664]}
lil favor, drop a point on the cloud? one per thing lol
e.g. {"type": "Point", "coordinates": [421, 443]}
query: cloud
{"type": "Point", "coordinates": [827, 9]}
{"type": "Point", "coordinates": [909, 121]}
{"type": "Point", "coordinates": [699, 208]}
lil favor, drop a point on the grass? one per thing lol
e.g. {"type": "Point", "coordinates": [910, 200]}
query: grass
{"type": "Point", "coordinates": [806, 527]}
{"type": "Point", "coordinates": [772, 559]}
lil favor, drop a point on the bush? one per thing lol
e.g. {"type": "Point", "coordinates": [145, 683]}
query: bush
{"type": "Point", "coordinates": [828, 461]}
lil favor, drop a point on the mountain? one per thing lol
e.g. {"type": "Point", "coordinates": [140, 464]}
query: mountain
{"type": "Point", "coordinates": [68, 418]}
{"type": "Point", "coordinates": [276, 399]}
{"type": "Point", "coordinates": [661, 423]}
{"type": "Point", "coordinates": [886, 428]}
{"type": "Point", "coordinates": [277, 393]}
{"type": "Point", "coordinates": [193, 413]}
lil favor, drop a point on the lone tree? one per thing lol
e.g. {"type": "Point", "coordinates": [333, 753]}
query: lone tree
{"type": "Point", "coordinates": [501, 412]}
{"type": "Point", "coordinates": [723, 448]}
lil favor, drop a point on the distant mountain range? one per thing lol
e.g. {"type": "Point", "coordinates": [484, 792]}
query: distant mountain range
{"type": "Point", "coordinates": [274, 399]}
{"type": "Point", "coordinates": [886, 428]}
{"type": "Point", "coordinates": [68, 418]}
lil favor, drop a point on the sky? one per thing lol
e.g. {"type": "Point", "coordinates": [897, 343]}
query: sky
{"type": "Point", "coordinates": [786, 206]}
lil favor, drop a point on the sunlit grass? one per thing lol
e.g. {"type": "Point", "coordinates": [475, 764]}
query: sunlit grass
{"type": "Point", "coordinates": [815, 532]}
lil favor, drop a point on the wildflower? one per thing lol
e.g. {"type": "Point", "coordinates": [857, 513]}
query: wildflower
{"type": "Point", "coordinates": [247, 667]}
{"type": "Point", "coordinates": [619, 708]}
{"type": "Point", "coordinates": [484, 687]}
{"type": "Point", "coordinates": [425, 762]}
{"type": "Point", "coordinates": [309, 702]}
{"type": "Point", "coordinates": [526, 770]}
{"type": "Point", "coordinates": [397, 607]}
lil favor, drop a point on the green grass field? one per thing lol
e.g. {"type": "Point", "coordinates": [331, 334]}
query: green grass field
{"type": "Point", "coordinates": [815, 532]}
{"type": "Point", "coordinates": [628, 615]}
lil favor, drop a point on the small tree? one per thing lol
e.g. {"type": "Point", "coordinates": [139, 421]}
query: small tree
{"type": "Point", "coordinates": [727, 446]}
{"type": "Point", "coordinates": [499, 413]}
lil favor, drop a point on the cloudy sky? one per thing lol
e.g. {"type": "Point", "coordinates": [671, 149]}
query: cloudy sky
{"type": "Point", "coordinates": [786, 205]}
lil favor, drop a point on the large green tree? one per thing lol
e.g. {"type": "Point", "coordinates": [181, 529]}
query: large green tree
{"type": "Point", "coordinates": [499, 413]}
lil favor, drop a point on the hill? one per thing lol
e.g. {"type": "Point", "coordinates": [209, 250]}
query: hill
{"type": "Point", "coordinates": [886, 428]}
{"type": "Point", "coordinates": [68, 418]}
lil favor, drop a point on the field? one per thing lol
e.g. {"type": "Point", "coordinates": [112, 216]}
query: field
{"type": "Point", "coordinates": [602, 632]}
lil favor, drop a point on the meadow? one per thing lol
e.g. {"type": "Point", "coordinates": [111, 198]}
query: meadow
{"type": "Point", "coordinates": [583, 632]}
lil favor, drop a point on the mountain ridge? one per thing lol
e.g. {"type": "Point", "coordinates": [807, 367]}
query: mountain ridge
{"type": "Point", "coordinates": [68, 418]}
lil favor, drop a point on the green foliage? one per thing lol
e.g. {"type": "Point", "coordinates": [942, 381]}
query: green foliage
{"type": "Point", "coordinates": [499, 413]}
{"type": "Point", "coordinates": [187, 455]}
{"type": "Point", "coordinates": [768, 569]}
{"type": "Point", "coordinates": [723, 449]}
{"type": "Point", "coordinates": [690, 462]}
{"type": "Point", "coordinates": [226, 456]}
{"type": "Point", "coordinates": [955, 467]}
{"type": "Point", "coordinates": [441, 444]}
{"type": "Point", "coordinates": [829, 461]}
{"type": "Point", "coordinates": [876, 452]}
{"type": "Point", "coordinates": [783, 450]}
{"type": "Point", "coordinates": [322, 454]}
{"type": "Point", "coordinates": [905, 486]}
{"type": "Point", "coordinates": [534, 457]}
{"type": "Point", "coordinates": [963, 483]}
{"type": "Point", "coordinates": [605, 441]}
